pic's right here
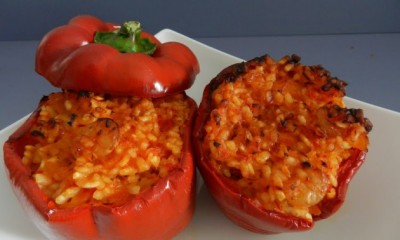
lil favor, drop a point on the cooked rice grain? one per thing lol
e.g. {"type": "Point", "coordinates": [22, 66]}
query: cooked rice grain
{"type": "Point", "coordinates": [99, 149]}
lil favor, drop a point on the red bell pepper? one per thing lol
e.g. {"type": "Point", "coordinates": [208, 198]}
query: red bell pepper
{"type": "Point", "coordinates": [159, 212]}
{"type": "Point", "coordinates": [92, 55]}
{"type": "Point", "coordinates": [243, 210]}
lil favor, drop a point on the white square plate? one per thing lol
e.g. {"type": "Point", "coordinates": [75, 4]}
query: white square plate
{"type": "Point", "coordinates": [370, 212]}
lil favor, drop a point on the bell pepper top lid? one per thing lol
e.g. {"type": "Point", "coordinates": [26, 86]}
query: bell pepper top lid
{"type": "Point", "coordinates": [91, 55]}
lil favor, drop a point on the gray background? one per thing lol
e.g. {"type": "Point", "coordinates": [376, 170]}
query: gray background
{"type": "Point", "coordinates": [29, 20]}
{"type": "Point", "coordinates": [358, 41]}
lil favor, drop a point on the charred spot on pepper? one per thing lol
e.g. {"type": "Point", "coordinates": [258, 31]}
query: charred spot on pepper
{"type": "Point", "coordinates": [216, 144]}
{"type": "Point", "coordinates": [240, 68]}
{"type": "Point", "coordinates": [52, 123]}
{"type": "Point", "coordinates": [43, 99]}
{"type": "Point", "coordinates": [350, 118]}
{"type": "Point", "coordinates": [326, 87]}
{"type": "Point", "coordinates": [108, 122]}
{"type": "Point", "coordinates": [353, 115]}
{"type": "Point", "coordinates": [256, 106]}
{"type": "Point", "coordinates": [294, 58]}
{"type": "Point", "coordinates": [83, 94]}
{"type": "Point", "coordinates": [368, 125]}
{"type": "Point", "coordinates": [72, 119]}
{"type": "Point", "coordinates": [37, 133]}
{"type": "Point", "coordinates": [214, 84]}
{"type": "Point", "coordinates": [235, 173]}
{"type": "Point", "coordinates": [260, 59]}
{"type": "Point", "coordinates": [320, 71]}
{"type": "Point", "coordinates": [309, 79]}
{"type": "Point", "coordinates": [216, 117]}
{"type": "Point", "coordinates": [107, 96]}
{"type": "Point", "coordinates": [284, 122]}
{"type": "Point", "coordinates": [338, 84]}
{"type": "Point", "coordinates": [335, 83]}
{"type": "Point", "coordinates": [231, 79]}
{"type": "Point", "coordinates": [334, 111]}
{"type": "Point", "coordinates": [306, 164]}
{"type": "Point", "coordinates": [262, 134]}
{"type": "Point", "coordinates": [235, 130]}
{"type": "Point", "coordinates": [231, 74]}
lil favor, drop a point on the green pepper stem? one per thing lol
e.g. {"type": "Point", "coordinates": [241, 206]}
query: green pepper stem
{"type": "Point", "coordinates": [127, 39]}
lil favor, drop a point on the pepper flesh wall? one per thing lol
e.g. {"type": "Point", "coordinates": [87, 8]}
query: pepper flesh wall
{"type": "Point", "coordinates": [275, 144]}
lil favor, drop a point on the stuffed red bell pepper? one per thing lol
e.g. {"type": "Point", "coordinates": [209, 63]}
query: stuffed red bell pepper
{"type": "Point", "coordinates": [92, 55]}
{"type": "Point", "coordinates": [276, 145]}
{"type": "Point", "coordinates": [91, 164]}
